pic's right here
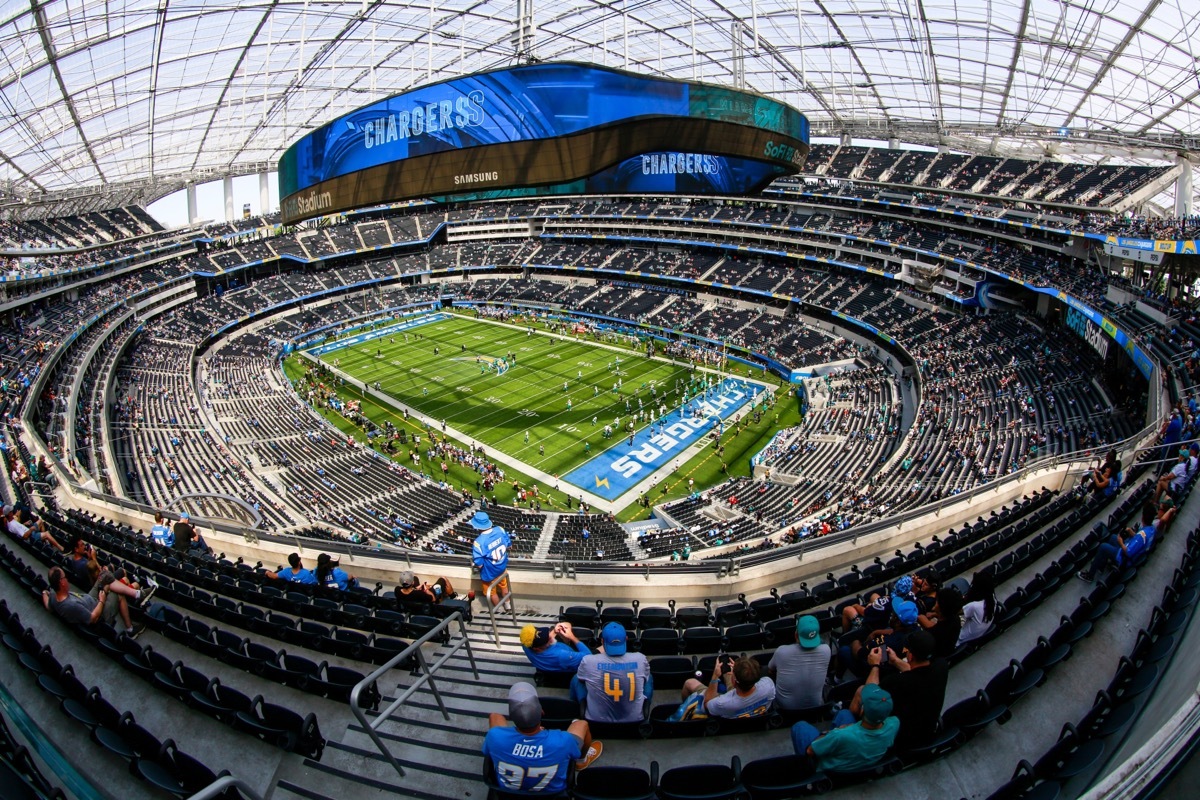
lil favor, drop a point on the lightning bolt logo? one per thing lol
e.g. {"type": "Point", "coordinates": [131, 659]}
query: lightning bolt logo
{"type": "Point", "coordinates": [601, 482]}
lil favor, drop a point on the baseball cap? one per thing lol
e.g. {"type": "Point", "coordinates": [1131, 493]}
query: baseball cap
{"type": "Point", "coordinates": [481, 521]}
{"type": "Point", "coordinates": [185, 515]}
{"type": "Point", "coordinates": [905, 611]}
{"type": "Point", "coordinates": [920, 645]}
{"type": "Point", "coordinates": [904, 585]}
{"type": "Point", "coordinates": [876, 703]}
{"type": "Point", "coordinates": [8, 509]}
{"type": "Point", "coordinates": [808, 631]}
{"type": "Point", "coordinates": [524, 708]}
{"type": "Point", "coordinates": [407, 579]}
{"type": "Point", "coordinates": [534, 637]}
{"type": "Point", "coordinates": [614, 637]}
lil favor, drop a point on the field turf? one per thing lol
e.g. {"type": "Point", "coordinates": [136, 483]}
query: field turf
{"type": "Point", "coordinates": [527, 400]}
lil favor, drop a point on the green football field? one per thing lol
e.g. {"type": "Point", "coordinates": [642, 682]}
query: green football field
{"type": "Point", "coordinates": [523, 411]}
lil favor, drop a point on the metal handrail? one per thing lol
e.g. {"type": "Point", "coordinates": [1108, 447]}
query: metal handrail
{"type": "Point", "coordinates": [42, 489]}
{"type": "Point", "coordinates": [491, 608]}
{"type": "Point", "coordinates": [425, 673]}
{"type": "Point", "coordinates": [223, 783]}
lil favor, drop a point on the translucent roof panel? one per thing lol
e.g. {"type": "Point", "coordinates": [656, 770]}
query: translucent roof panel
{"type": "Point", "coordinates": [110, 92]}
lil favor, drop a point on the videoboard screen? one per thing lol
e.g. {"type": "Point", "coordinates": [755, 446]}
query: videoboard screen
{"type": "Point", "coordinates": [653, 173]}
{"type": "Point", "coordinates": [545, 125]}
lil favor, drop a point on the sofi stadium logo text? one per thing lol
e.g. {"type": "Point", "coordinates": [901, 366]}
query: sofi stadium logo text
{"type": "Point", "coordinates": [309, 203]}
{"type": "Point", "coordinates": [783, 152]}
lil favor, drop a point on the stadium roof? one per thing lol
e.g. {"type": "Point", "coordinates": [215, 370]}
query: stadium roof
{"type": "Point", "coordinates": [127, 100]}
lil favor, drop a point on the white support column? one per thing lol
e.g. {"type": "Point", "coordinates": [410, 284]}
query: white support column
{"type": "Point", "coordinates": [1183, 188]}
{"type": "Point", "coordinates": [264, 194]}
{"type": "Point", "coordinates": [193, 212]}
{"type": "Point", "coordinates": [227, 184]}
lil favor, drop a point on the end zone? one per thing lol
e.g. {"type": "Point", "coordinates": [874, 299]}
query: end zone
{"type": "Point", "coordinates": [623, 466]}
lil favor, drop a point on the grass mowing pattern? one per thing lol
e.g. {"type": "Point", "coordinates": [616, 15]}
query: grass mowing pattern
{"type": "Point", "coordinates": [527, 401]}
{"type": "Point", "coordinates": [704, 468]}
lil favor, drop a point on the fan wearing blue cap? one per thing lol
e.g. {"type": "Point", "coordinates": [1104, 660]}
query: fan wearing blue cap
{"type": "Point", "coordinates": [490, 554]}
{"type": "Point", "coordinates": [187, 538]}
{"type": "Point", "coordinates": [614, 682]}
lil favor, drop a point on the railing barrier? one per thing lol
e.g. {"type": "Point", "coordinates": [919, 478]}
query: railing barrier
{"type": "Point", "coordinates": [491, 608]}
{"type": "Point", "coordinates": [424, 673]}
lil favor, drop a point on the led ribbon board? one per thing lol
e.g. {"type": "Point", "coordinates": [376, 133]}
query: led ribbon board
{"type": "Point", "coordinates": [543, 129]}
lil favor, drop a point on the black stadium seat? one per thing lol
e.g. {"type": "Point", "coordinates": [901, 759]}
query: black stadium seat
{"type": "Point", "coordinates": [283, 727]}
{"type": "Point", "coordinates": [222, 703]}
{"type": "Point", "coordinates": [653, 617]}
{"type": "Point", "coordinates": [616, 783]}
{"type": "Point", "coordinates": [783, 777]}
{"type": "Point", "coordinates": [658, 642]}
{"type": "Point", "coordinates": [701, 640]}
{"type": "Point", "coordinates": [176, 772]}
{"type": "Point", "coordinates": [702, 782]}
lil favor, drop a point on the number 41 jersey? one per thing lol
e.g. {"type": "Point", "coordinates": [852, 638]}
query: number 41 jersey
{"type": "Point", "coordinates": [615, 686]}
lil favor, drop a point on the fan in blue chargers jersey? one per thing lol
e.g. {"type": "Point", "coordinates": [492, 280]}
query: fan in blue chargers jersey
{"type": "Point", "coordinates": [490, 554]}
{"type": "Point", "coordinates": [527, 757]}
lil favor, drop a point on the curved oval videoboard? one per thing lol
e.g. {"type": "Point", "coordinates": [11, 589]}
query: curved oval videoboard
{"type": "Point", "coordinates": [554, 128]}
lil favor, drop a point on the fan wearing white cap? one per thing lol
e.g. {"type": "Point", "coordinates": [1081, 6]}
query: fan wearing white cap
{"type": "Point", "coordinates": [529, 758]}
{"type": "Point", "coordinates": [490, 554]}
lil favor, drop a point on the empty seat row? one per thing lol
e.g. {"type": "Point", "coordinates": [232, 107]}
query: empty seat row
{"type": "Point", "coordinates": [270, 722]}
{"type": "Point", "coordinates": [158, 762]}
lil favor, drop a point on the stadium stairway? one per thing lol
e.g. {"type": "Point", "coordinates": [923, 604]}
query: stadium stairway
{"type": "Point", "coordinates": [441, 757]}
{"type": "Point", "coordinates": [542, 551]}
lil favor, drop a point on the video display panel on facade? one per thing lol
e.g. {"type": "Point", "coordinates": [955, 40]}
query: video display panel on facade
{"type": "Point", "coordinates": [543, 125]}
